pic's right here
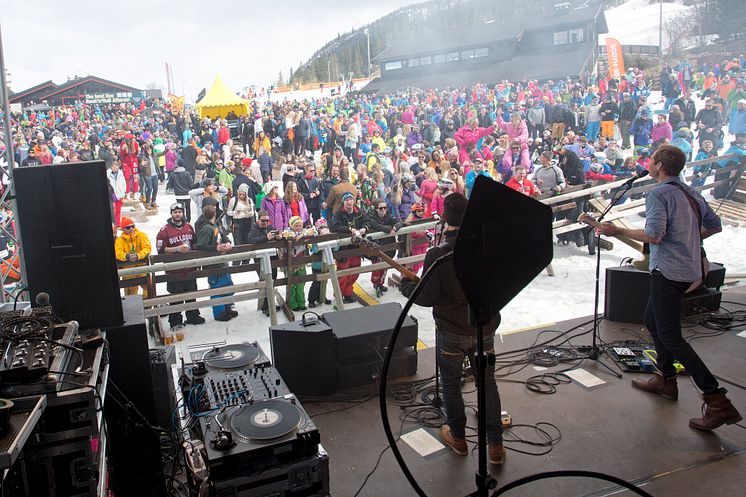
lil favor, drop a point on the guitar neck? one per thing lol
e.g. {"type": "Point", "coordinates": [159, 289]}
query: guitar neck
{"type": "Point", "coordinates": [391, 262]}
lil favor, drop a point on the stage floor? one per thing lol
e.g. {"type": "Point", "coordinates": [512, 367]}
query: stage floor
{"type": "Point", "coordinates": [610, 428]}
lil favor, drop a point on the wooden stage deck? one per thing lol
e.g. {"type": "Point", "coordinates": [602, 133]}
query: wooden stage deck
{"type": "Point", "coordinates": [610, 428]}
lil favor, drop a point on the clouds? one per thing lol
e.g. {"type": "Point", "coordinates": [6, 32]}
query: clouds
{"type": "Point", "coordinates": [245, 42]}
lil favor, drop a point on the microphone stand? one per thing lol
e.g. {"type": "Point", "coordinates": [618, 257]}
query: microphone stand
{"type": "Point", "coordinates": [594, 354]}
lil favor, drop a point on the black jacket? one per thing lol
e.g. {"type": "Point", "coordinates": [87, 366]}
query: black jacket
{"type": "Point", "coordinates": [305, 187]}
{"type": "Point", "coordinates": [628, 111]}
{"type": "Point", "coordinates": [181, 181]}
{"type": "Point", "coordinates": [242, 179]}
{"type": "Point", "coordinates": [572, 168]}
{"type": "Point", "coordinates": [259, 234]}
{"type": "Point", "coordinates": [377, 224]}
{"type": "Point", "coordinates": [688, 108]}
{"type": "Point", "coordinates": [189, 154]}
{"type": "Point", "coordinates": [443, 293]}
{"type": "Point", "coordinates": [344, 222]}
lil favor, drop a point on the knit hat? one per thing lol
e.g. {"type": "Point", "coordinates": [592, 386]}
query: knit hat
{"type": "Point", "coordinates": [417, 206]}
{"type": "Point", "coordinates": [347, 195]}
{"type": "Point", "coordinates": [125, 221]}
{"type": "Point", "coordinates": [246, 162]}
{"type": "Point", "coordinates": [320, 222]}
{"type": "Point", "coordinates": [243, 188]}
{"type": "Point", "coordinates": [294, 221]}
{"type": "Point", "coordinates": [445, 183]}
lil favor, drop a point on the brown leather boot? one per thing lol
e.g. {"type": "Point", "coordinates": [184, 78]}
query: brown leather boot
{"type": "Point", "coordinates": [457, 444]}
{"type": "Point", "coordinates": [665, 387]}
{"type": "Point", "coordinates": [496, 453]}
{"type": "Point", "coordinates": [716, 411]}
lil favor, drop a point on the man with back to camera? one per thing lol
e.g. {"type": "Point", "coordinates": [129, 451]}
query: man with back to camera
{"type": "Point", "coordinates": [677, 219]}
{"type": "Point", "coordinates": [177, 236]}
{"type": "Point", "coordinates": [457, 339]}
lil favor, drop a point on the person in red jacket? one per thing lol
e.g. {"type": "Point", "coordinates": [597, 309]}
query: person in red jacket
{"type": "Point", "coordinates": [520, 183]}
{"type": "Point", "coordinates": [129, 152]}
{"type": "Point", "coordinates": [224, 134]}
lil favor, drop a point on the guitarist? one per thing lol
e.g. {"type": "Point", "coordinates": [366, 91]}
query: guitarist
{"type": "Point", "coordinates": [381, 220]}
{"type": "Point", "coordinates": [456, 339]}
{"type": "Point", "coordinates": [677, 219]}
{"type": "Point", "coordinates": [350, 221]}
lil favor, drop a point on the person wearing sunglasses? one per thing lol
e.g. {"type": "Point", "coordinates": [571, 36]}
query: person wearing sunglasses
{"type": "Point", "coordinates": [131, 247]}
{"type": "Point", "coordinates": [381, 220]}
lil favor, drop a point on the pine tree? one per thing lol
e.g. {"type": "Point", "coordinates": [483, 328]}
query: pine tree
{"type": "Point", "coordinates": [280, 81]}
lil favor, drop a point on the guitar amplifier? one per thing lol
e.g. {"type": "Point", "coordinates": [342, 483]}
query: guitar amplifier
{"type": "Point", "coordinates": [627, 291]}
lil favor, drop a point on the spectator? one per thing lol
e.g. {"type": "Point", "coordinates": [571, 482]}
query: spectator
{"type": "Point", "coordinates": [132, 246]}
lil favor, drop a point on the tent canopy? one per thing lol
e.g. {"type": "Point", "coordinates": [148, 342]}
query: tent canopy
{"type": "Point", "coordinates": [220, 100]}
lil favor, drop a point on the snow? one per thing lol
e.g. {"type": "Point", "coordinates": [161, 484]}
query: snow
{"type": "Point", "coordinates": [636, 22]}
{"type": "Point", "coordinates": [545, 301]}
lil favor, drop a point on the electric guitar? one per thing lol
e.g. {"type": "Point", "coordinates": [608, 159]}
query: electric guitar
{"type": "Point", "coordinates": [372, 249]}
{"type": "Point", "coordinates": [586, 218]}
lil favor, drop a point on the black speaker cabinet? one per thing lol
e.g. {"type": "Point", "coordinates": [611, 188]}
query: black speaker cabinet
{"type": "Point", "coordinates": [305, 355]}
{"type": "Point", "coordinates": [134, 450]}
{"type": "Point", "coordinates": [365, 331]}
{"type": "Point", "coordinates": [64, 216]}
{"type": "Point", "coordinates": [627, 291]}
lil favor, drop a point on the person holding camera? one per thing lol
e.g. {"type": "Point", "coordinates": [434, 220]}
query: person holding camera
{"type": "Point", "coordinates": [263, 232]}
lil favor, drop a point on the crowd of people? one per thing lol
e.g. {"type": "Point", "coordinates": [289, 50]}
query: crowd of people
{"type": "Point", "coordinates": [358, 162]}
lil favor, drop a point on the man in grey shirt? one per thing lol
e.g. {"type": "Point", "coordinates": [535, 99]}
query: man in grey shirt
{"type": "Point", "coordinates": [549, 177]}
{"type": "Point", "coordinates": [674, 232]}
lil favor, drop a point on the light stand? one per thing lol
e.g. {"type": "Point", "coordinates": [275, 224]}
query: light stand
{"type": "Point", "coordinates": [485, 482]}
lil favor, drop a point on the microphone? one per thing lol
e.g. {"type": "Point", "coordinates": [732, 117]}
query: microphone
{"type": "Point", "coordinates": [636, 176]}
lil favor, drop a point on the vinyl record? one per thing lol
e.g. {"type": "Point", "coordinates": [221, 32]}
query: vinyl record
{"type": "Point", "coordinates": [265, 420]}
{"type": "Point", "coordinates": [237, 355]}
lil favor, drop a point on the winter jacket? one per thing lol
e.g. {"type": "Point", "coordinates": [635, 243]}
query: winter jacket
{"type": "Point", "coordinates": [572, 168]}
{"type": "Point", "coordinates": [137, 242]}
{"type": "Point", "coordinates": [687, 107]}
{"type": "Point", "coordinates": [450, 309]}
{"type": "Point", "coordinates": [334, 199]}
{"type": "Point", "coordinates": [660, 131]}
{"type": "Point", "coordinates": [345, 222]}
{"type": "Point", "coordinates": [640, 129]}
{"type": "Point", "coordinates": [118, 184]}
{"type": "Point", "coordinates": [737, 122]}
{"type": "Point", "coordinates": [305, 187]}
{"type": "Point", "coordinates": [466, 135]}
{"type": "Point", "coordinates": [277, 212]}
{"type": "Point", "coordinates": [519, 132]}
{"type": "Point", "coordinates": [181, 182]}
{"type": "Point", "coordinates": [536, 115]}
{"type": "Point", "coordinates": [405, 206]}
{"type": "Point", "coordinates": [302, 211]}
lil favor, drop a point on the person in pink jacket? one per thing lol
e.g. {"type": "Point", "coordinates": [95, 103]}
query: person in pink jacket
{"type": "Point", "coordinates": [445, 186]}
{"type": "Point", "coordinates": [470, 135]}
{"type": "Point", "coordinates": [661, 129]}
{"type": "Point", "coordinates": [517, 131]}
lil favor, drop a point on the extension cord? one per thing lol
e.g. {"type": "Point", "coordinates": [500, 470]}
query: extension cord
{"type": "Point", "coordinates": [195, 461]}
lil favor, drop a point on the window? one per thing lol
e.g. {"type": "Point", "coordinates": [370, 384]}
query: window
{"type": "Point", "coordinates": [560, 37]}
{"type": "Point", "coordinates": [451, 56]}
{"type": "Point", "coordinates": [481, 52]}
{"type": "Point", "coordinates": [390, 66]}
{"type": "Point", "coordinates": [467, 54]}
{"type": "Point", "coordinates": [439, 59]}
{"type": "Point", "coordinates": [413, 62]}
{"type": "Point", "coordinates": [424, 61]}
{"type": "Point", "coordinates": [576, 35]}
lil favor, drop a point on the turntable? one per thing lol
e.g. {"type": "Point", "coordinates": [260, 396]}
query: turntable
{"type": "Point", "coordinates": [229, 356]}
{"type": "Point", "coordinates": [251, 437]}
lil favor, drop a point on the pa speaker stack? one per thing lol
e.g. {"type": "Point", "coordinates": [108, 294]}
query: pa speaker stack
{"type": "Point", "coordinates": [627, 291]}
{"type": "Point", "coordinates": [343, 349]}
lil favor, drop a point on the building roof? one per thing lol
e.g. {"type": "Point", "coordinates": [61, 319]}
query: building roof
{"type": "Point", "coordinates": [28, 91]}
{"type": "Point", "coordinates": [484, 34]}
{"type": "Point", "coordinates": [541, 66]}
{"type": "Point", "coordinates": [87, 79]}
{"type": "Point", "coordinates": [438, 42]}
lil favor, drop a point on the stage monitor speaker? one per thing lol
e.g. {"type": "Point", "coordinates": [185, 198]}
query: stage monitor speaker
{"type": "Point", "coordinates": [64, 214]}
{"type": "Point", "coordinates": [305, 355]}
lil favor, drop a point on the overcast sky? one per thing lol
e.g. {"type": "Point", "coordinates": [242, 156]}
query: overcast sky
{"type": "Point", "coordinates": [129, 41]}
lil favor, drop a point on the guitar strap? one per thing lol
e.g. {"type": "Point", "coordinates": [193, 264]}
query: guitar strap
{"type": "Point", "coordinates": [698, 213]}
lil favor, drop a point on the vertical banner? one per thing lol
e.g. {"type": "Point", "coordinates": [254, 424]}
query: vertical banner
{"type": "Point", "coordinates": [615, 56]}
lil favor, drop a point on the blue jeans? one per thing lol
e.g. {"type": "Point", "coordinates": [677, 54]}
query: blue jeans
{"type": "Point", "coordinates": [219, 281]}
{"type": "Point", "coordinates": [452, 349]}
{"type": "Point", "coordinates": [150, 185]}
{"type": "Point", "coordinates": [663, 321]}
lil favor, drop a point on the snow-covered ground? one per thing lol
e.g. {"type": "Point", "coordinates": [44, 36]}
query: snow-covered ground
{"type": "Point", "coordinates": [546, 300]}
